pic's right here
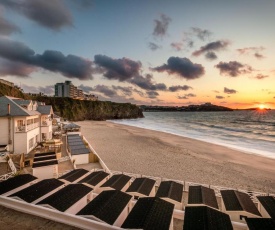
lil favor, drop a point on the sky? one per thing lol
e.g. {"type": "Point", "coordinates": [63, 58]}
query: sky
{"type": "Point", "coordinates": [157, 52]}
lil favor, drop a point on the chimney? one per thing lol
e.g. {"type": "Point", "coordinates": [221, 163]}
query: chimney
{"type": "Point", "coordinates": [9, 109]}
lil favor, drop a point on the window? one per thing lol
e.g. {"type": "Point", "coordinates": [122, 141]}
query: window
{"type": "Point", "coordinates": [31, 143]}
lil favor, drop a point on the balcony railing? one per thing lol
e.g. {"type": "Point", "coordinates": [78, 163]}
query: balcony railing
{"type": "Point", "coordinates": [29, 127]}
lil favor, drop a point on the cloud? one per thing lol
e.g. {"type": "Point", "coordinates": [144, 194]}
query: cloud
{"type": "Point", "coordinates": [233, 68]}
{"type": "Point", "coordinates": [83, 4]}
{"type": "Point", "coordinates": [153, 46]}
{"type": "Point", "coordinates": [6, 27]}
{"type": "Point", "coordinates": [215, 91]}
{"type": "Point", "coordinates": [146, 83]}
{"type": "Point", "coordinates": [220, 97]}
{"type": "Point", "coordinates": [187, 96]}
{"type": "Point", "coordinates": [176, 88]}
{"type": "Point", "coordinates": [211, 56]}
{"type": "Point", "coordinates": [256, 51]}
{"type": "Point", "coordinates": [15, 68]}
{"type": "Point", "coordinates": [176, 46]}
{"type": "Point", "coordinates": [118, 69]}
{"type": "Point", "coordinates": [49, 90]}
{"type": "Point", "coordinates": [85, 88]}
{"type": "Point", "coordinates": [182, 67]}
{"type": "Point", "coordinates": [127, 91]}
{"type": "Point", "coordinates": [105, 90]}
{"type": "Point", "coordinates": [70, 66]}
{"type": "Point", "coordinates": [152, 94]}
{"type": "Point", "coordinates": [229, 91]}
{"type": "Point", "coordinates": [200, 33]}
{"type": "Point", "coordinates": [161, 25]}
{"type": "Point", "coordinates": [212, 46]}
{"type": "Point", "coordinates": [261, 76]}
{"type": "Point", "coordinates": [51, 14]}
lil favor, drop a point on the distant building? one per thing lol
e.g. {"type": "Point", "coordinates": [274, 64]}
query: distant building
{"type": "Point", "coordinates": [67, 89]}
{"type": "Point", "coordinates": [64, 89]}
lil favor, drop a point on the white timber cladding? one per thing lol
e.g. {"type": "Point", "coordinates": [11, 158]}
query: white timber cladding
{"type": "Point", "coordinates": [45, 172]}
{"type": "Point", "coordinates": [81, 159]}
{"type": "Point", "coordinates": [4, 139]}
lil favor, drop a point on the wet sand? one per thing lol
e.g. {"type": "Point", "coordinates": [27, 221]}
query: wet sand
{"type": "Point", "coordinates": [136, 150]}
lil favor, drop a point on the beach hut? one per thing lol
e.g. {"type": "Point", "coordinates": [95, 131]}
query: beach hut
{"type": "Point", "coordinates": [45, 165]}
{"type": "Point", "coordinates": [16, 183]}
{"type": "Point", "coordinates": [110, 207]}
{"type": "Point", "coordinates": [77, 149]}
{"type": "Point", "coordinates": [35, 192]}
{"type": "Point", "coordinates": [200, 195]}
{"type": "Point", "coordinates": [238, 205]}
{"type": "Point", "coordinates": [172, 192]}
{"type": "Point", "coordinates": [119, 182]}
{"type": "Point", "coordinates": [203, 217]}
{"type": "Point", "coordinates": [69, 199]}
{"type": "Point", "coordinates": [266, 206]}
{"type": "Point", "coordinates": [74, 175]}
{"type": "Point", "coordinates": [95, 179]}
{"type": "Point", "coordinates": [150, 213]}
{"type": "Point", "coordinates": [142, 187]}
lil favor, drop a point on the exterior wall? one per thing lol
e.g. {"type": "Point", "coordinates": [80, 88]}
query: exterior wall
{"type": "Point", "coordinates": [45, 172]}
{"type": "Point", "coordinates": [81, 158]}
{"type": "Point", "coordinates": [121, 218]}
{"type": "Point", "coordinates": [78, 205]}
{"type": "Point", "coordinates": [4, 139]}
{"type": "Point", "coordinates": [263, 212]}
{"type": "Point", "coordinates": [177, 204]}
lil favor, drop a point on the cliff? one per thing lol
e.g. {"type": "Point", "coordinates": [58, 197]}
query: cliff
{"type": "Point", "coordinates": [77, 110]}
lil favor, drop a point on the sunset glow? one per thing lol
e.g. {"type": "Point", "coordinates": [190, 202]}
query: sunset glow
{"type": "Point", "coordinates": [171, 53]}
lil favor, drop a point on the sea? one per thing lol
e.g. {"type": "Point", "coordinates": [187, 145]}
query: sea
{"type": "Point", "coordinates": [250, 131]}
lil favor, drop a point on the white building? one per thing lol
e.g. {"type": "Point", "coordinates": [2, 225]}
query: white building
{"type": "Point", "coordinates": [24, 123]}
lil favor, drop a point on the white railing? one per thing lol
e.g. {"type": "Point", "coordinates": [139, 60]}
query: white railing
{"type": "Point", "coordinates": [66, 158]}
{"type": "Point", "coordinates": [32, 126]}
{"type": "Point", "coordinates": [12, 166]}
{"type": "Point", "coordinates": [6, 176]}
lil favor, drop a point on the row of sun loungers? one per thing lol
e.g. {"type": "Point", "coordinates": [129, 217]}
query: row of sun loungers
{"type": "Point", "coordinates": [134, 204]}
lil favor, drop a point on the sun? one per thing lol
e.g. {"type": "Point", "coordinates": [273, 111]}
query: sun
{"type": "Point", "coordinates": [261, 106]}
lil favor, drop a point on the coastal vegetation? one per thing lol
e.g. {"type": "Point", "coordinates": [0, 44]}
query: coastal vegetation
{"type": "Point", "coordinates": [78, 110]}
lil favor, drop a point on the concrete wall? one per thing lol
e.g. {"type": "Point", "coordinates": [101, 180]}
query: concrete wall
{"type": "Point", "coordinates": [123, 215]}
{"type": "Point", "coordinates": [263, 211]}
{"type": "Point", "coordinates": [75, 208]}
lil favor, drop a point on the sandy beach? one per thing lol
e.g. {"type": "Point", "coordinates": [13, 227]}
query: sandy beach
{"type": "Point", "coordinates": [131, 149]}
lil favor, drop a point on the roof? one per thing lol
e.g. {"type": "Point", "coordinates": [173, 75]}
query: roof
{"type": "Point", "coordinates": [171, 190]}
{"type": "Point", "coordinates": [142, 185]}
{"type": "Point", "coordinates": [37, 159]}
{"type": "Point", "coordinates": [238, 201]}
{"type": "Point", "coordinates": [38, 190]}
{"type": "Point", "coordinates": [260, 223]}
{"type": "Point", "coordinates": [74, 175]}
{"type": "Point", "coordinates": [16, 109]}
{"type": "Point", "coordinates": [67, 196]}
{"type": "Point", "coordinates": [94, 178]}
{"type": "Point", "coordinates": [117, 181]}
{"type": "Point", "coordinates": [15, 182]}
{"type": "Point", "coordinates": [150, 213]}
{"type": "Point", "coordinates": [269, 204]}
{"type": "Point", "coordinates": [44, 154]}
{"type": "Point", "coordinates": [203, 217]}
{"type": "Point", "coordinates": [45, 109]}
{"type": "Point", "coordinates": [202, 195]}
{"type": "Point", "coordinates": [71, 126]}
{"type": "Point", "coordinates": [107, 206]}
{"type": "Point", "coordinates": [44, 163]}
{"type": "Point", "coordinates": [80, 151]}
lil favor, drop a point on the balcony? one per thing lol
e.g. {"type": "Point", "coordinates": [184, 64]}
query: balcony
{"type": "Point", "coordinates": [22, 129]}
